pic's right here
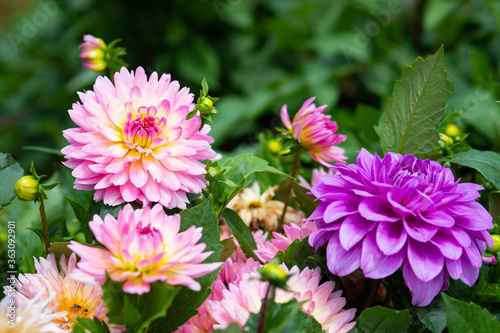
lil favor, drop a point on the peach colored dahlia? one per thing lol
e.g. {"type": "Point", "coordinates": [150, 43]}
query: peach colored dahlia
{"type": "Point", "coordinates": [143, 246]}
{"type": "Point", "coordinates": [74, 299]}
{"type": "Point", "coordinates": [245, 297]}
{"type": "Point", "coordinates": [315, 132]}
{"type": "Point", "coordinates": [133, 142]}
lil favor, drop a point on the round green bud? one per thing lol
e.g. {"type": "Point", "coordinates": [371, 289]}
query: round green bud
{"type": "Point", "coordinates": [274, 273]}
{"type": "Point", "coordinates": [27, 188]}
{"type": "Point", "coordinates": [206, 105]}
{"type": "Point", "coordinates": [452, 130]}
{"type": "Point", "coordinates": [446, 138]}
{"type": "Point", "coordinates": [274, 146]}
{"type": "Point", "coordinates": [496, 246]}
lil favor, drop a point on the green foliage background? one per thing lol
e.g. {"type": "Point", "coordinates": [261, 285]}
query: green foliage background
{"type": "Point", "coordinates": [256, 55]}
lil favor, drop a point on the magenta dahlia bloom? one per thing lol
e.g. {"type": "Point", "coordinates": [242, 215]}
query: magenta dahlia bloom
{"type": "Point", "coordinates": [134, 143]}
{"type": "Point", "coordinates": [143, 246]}
{"type": "Point", "coordinates": [381, 214]}
{"type": "Point", "coordinates": [315, 132]}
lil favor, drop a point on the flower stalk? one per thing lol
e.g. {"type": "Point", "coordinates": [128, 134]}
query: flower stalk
{"type": "Point", "coordinates": [293, 173]}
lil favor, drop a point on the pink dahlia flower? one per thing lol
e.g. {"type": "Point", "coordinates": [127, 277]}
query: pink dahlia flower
{"type": "Point", "coordinates": [93, 53]}
{"type": "Point", "coordinates": [315, 132]}
{"type": "Point", "coordinates": [134, 143]}
{"type": "Point", "coordinates": [267, 250]}
{"type": "Point", "coordinates": [320, 301]}
{"type": "Point", "coordinates": [72, 298]}
{"type": "Point", "coordinates": [381, 214]}
{"type": "Point", "coordinates": [34, 315]}
{"type": "Point", "coordinates": [143, 246]}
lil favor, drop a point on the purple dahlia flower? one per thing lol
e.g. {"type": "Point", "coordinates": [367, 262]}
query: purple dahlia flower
{"type": "Point", "coordinates": [381, 214]}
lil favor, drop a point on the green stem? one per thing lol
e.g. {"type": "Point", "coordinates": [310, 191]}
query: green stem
{"type": "Point", "coordinates": [293, 172]}
{"type": "Point", "coordinates": [265, 304]}
{"type": "Point", "coordinates": [45, 226]}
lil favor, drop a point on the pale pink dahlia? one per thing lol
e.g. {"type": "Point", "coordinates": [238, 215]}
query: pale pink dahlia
{"type": "Point", "coordinates": [315, 132]}
{"type": "Point", "coordinates": [74, 299]}
{"type": "Point", "coordinates": [134, 143]}
{"type": "Point", "coordinates": [35, 315]}
{"type": "Point", "coordinates": [143, 246]}
{"type": "Point", "coordinates": [267, 250]}
{"type": "Point", "coordinates": [381, 214]}
{"type": "Point", "coordinates": [320, 301]}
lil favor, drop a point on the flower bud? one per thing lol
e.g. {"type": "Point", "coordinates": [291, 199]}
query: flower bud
{"type": "Point", "coordinates": [276, 275]}
{"type": "Point", "coordinates": [452, 130]}
{"type": "Point", "coordinates": [93, 53]}
{"type": "Point", "coordinates": [274, 146]}
{"type": "Point", "coordinates": [496, 246]}
{"type": "Point", "coordinates": [27, 188]}
{"type": "Point", "coordinates": [446, 138]}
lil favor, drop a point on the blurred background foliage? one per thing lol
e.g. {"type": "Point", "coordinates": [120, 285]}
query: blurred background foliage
{"type": "Point", "coordinates": [256, 55]}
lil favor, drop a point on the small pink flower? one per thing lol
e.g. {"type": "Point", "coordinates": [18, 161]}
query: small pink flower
{"type": "Point", "coordinates": [267, 250]}
{"type": "Point", "coordinates": [245, 297]}
{"type": "Point", "coordinates": [315, 132]}
{"type": "Point", "coordinates": [133, 142]}
{"type": "Point", "coordinates": [93, 53]}
{"type": "Point", "coordinates": [143, 246]}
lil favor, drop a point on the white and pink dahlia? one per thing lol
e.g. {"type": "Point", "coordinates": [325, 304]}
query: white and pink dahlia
{"type": "Point", "coordinates": [245, 297]}
{"type": "Point", "coordinates": [72, 298]}
{"type": "Point", "coordinates": [143, 246]}
{"type": "Point", "coordinates": [133, 142]}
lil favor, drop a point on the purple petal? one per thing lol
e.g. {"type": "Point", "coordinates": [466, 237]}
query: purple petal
{"type": "Point", "coordinates": [394, 199]}
{"type": "Point", "coordinates": [374, 263]}
{"type": "Point", "coordinates": [474, 255]}
{"type": "Point", "coordinates": [390, 237]}
{"type": "Point", "coordinates": [339, 261]}
{"type": "Point", "coordinates": [418, 229]}
{"type": "Point", "coordinates": [469, 272]}
{"type": "Point", "coordinates": [338, 209]}
{"type": "Point", "coordinates": [353, 229]}
{"type": "Point", "coordinates": [437, 218]}
{"type": "Point", "coordinates": [375, 209]}
{"type": "Point", "coordinates": [425, 260]}
{"type": "Point", "coordinates": [448, 246]}
{"type": "Point", "coordinates": [423, 292]}
{"type": "Point", "coordinates": [319, 237]}
{"type": "Point", "coordinates": [454, 268]}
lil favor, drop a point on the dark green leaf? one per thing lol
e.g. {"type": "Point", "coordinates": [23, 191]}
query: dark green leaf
{"type": "Point", "coordinates": [95, 326]}
{"type": "Point", "coordinates": [433, 316]}
{"type": "Point", "coordinates": [187, 301]}
{"type": "Point", "coordinates": [300, 254]}
{"type": "Point", "coordinates": [494, 204]}
{"type": "Point", "coordinates": [468, 317]}
{"type": "Point", "coordinates": [10, 172]}
{"type": "Point", "coordinates": [114, 299]}
{"type": "Point", "coordinates": [238, 171]}
{"type": "Point", "coordinates": [83, 216]}
{"type": "Point", "coordinates": [229, 248]}
{"type": "Point", "coordinates": [60, 248]}
{"type": "Point", "coordinates": [39, 233]}
{"type": "Point", "coordinates": [488, 285]}
{"type": "Point", "coordinates": [240, 231]}
{"type": "Point", "coordinates": [416, 107]}
{"type": "Point", "coordinates": [61, 232]}
{"type": "Point", "coordinates": [381, 320]}
{"type": "Point", "coordinates": [305, 201]}
{"type": "Point", "coordinates": [485, 162]}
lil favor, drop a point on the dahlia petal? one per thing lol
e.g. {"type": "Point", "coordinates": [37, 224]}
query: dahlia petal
{"type": "Point", "coordinates": [448, 246]}
{"type": "Point", "coordinates": [423, 292]}
{"type": "Point", "coordinates": [419, 230]}
{"type": "Point", "coordinates": [454, 268]}
{"type": "Point", "coordinates": [469, 272]}
{"type": "Point", "coordinates": [338, 209]}
{"type": "Point", "coordinates": [339, 261]}
{"type": "Point", "coordinates": [437, 218]}
{"type": "Point", "coordinates": [353, 229]}
{"type": "Point", "coordinates": [138, 176]}
{"type": "Point", "coordinates": [375, 209]}
{"type": "Point", "coordinates": [425, 260]}
{"type": "Point", "coordinates": [374, 263]}
{"type": "Point", "coordinates": [285, 118]}
{"type": "Point", "coordinates": [116, 150]}
{"type": "Point", "coordinates": [391, 237]}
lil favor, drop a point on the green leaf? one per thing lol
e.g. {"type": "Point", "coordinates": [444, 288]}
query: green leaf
{"type": "Point", "coordinates": [379, 319]}
{"type": "Point", "coordinates": [306, 201]}
{"type": "Point", "coordinates": [238, 171]}
{"type": "Point", "coordinates": [468, 317]}
{"type": "Point", "coordinates": [233, 328]}
{"type": "Point", "coordinates": [286, 318]}
{"type": "Point", "coordinates": [488, 285]}
{"type": "Point", "coordinates": [39, 233]}
{"type": "Point", "coordinates": [240, 231]}
{"type": "Point", "coordinates": [494, 204]}
{"type": "Point", "coordinates": [433, 316]}
{"type": "Point", "coordinates": [229, 248]}
{"type": "Point", "coordinates": [83, 216]}
{"type": "Point", "coordinates": [10, 172]}
{"type": "Point", "coordinates": [485, 162]}
{"type": "Point", "coordinates": [61, 232]}
{"type": "Point", "coordinates": [113, 297]}
{"type": "Point", "coordinates": [60, 248]}
{"type": "Point", "coordinates": [300, 254]}
{"type": "Point", "coordinates": [416, 107]}
{"type": "Point", "coordinates": [94, 326]}
{"type": "Point", "coordinates": [187, 301]}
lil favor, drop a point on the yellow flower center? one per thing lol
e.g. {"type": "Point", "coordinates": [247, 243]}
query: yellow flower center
{"type": "Point", "coordinates": [141, 129]}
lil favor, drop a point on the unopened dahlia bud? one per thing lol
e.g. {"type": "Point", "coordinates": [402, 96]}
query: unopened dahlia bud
{"type": "Point", "coordinates": [93, 53]}
{"type": "Point", "coordinates": [452, 130]}
{"type": "Point", "coordinates": [496, 246]}
{"type": "Point", "coordinates": [27, 188]}
{"type": "Point", "coordinates": [276, 275]}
